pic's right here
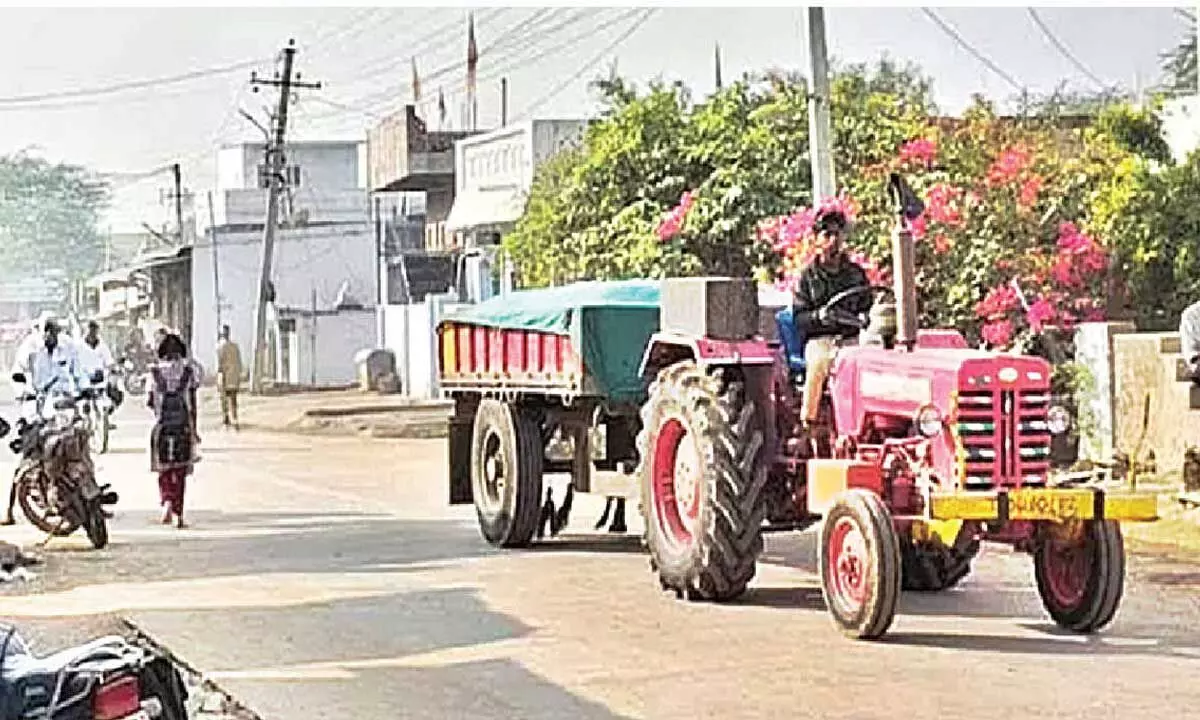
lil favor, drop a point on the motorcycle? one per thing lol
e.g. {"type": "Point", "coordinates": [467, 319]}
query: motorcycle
{"type": "Point", "coordinates": [134, 378]}
{"type": "Point", "coordinates": [55, 480]}
{"type": "Point", "coordinates": [97, 407]}
{"type": "Point", "coordinates": [106, 679]}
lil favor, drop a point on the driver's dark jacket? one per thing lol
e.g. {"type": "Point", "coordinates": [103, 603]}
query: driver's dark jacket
{"type": "Point", "coordinates": [817, 285]}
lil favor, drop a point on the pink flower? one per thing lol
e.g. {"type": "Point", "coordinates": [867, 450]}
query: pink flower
{"type": "Point", "coordinates": [921, 150]}
{"type": "Point", "coordinates": [1040, 313]}
{"type": "Point", "coordinates": [999, 301]}
{"type": "Point", "coordinates": [942, 200]}
{"type": "Point", "coordinates": [998, 334]}
{"type": "Point", "coordinates": [941, 244]}
{"type": "Point", "coordinates": [919, 227]}
{"type": "Point", "coordinates": [1008, 166]}
{"type": "Point", "coordinates": [673, 223]}
{"type": "Point", "coordinates": [1028, 194]}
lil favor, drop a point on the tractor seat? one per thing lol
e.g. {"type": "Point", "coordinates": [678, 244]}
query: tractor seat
{"type": "Point", "coordinates": [793, 342]}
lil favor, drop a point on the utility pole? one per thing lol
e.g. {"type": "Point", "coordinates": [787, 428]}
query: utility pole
{"type": "Point", "coordinates": [819, 133]}
{"type": "Point", "coordinates": [177, 171]}
{"type": "Point", "coordinates": [275, 164]}
{"type": "Point", "coordinates": [212, 228]}
{"type": "Point", "coordinates": [503, 102]}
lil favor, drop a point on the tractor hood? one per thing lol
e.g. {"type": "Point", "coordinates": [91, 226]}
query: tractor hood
{"type": "Point", "coordinates": [876, 381]}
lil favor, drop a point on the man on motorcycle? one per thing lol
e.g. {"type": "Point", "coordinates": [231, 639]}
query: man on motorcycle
{"type": "Point", "coordinates": [830, 273]}
{"type": "Point", "coordinates": [52, 362]}
{"type": "Point", "coordinates": [96, 362]}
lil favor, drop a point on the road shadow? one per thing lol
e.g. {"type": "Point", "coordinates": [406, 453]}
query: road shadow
{"type": "Point", "coordinates": [1053, 642]}
{"type": "Point", "coordinates": [620, 544]}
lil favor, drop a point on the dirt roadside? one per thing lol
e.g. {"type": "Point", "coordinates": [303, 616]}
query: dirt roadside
{"type": "Point", "coordinates": [334, 413]}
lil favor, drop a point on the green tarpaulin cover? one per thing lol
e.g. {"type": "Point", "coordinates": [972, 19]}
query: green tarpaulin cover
{"type": "Point", "coordinates": [610, 324]}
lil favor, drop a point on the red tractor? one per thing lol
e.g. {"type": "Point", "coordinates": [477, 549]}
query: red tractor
{"type": "Point", "coordinates": [934, 447]}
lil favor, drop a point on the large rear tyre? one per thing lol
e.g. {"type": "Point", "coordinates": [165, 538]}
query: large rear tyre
{"type": "Point", "coordinates": [506, 472]}
{"type": "Point", "coordinates": [702, 480]}
{"type": "Point", "coordinates": [931, 566]}
{"type": "Point", "coordinates": [860, 565]}
{"type": "Point", "coordinates": [1080, 574]}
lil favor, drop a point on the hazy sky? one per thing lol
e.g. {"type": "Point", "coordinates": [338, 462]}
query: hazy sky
{"type": "Point", "coordinates": [363, 56]}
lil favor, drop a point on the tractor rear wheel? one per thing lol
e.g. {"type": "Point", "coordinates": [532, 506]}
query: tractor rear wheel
{"type": "Point", "coordinates": [1081, 575]}
{"type": "Point", "coordinates": [702, 482]}
{"type": "Point", "coordinates": [931, 566]}
{"type": "Point", "coordinates": [860, 564]}
{"type": "Point", "coordinates": [506, 472]}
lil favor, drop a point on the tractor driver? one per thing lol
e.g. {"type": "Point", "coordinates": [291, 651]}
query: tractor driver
{"type": "Point", "coordinates": [830, 273]}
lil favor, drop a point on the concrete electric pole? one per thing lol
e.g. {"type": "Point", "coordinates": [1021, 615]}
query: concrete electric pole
{"type": "Point", "coordinates": [275, 181]}
{"type": "Point", "coordinates": [819, 133]}
{"type": "Point", "coordinates": [177, 171]}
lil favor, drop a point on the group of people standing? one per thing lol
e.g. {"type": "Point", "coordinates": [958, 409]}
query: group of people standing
{"type": "Point", "coordinates": [175, 379]}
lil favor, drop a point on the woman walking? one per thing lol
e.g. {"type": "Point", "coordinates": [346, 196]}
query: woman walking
{"type": "Point", "coordinates": [174, 382]}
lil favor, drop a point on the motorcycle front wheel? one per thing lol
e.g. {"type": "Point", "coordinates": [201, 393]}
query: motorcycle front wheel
{"type": "Point", "coordinates": [95, 525]}
{"type": "Point", "coordinates": [98, 430]}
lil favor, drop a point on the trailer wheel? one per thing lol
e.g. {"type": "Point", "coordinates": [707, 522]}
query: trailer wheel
{"type": "Point", "coordinates": [506, 472]}
{"type": "Point", "coordinates": [1081, 574]}
{"type": "Point", "coordinates": [702, 482]}
{"type": "Point", "coordinates": [860, 565]}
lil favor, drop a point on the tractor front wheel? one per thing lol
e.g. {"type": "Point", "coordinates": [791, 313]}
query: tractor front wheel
{"type": "Point", "coordinates": [702, 482]}
{"type": "Point", "coordinates": [860, 565]}
{"type": "Point", "coordinates": [506, 472]}
{"type": "Point", "coordinates": [1080, 572]}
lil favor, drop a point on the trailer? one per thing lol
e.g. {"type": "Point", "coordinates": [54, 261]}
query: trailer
{"type": "Point", "coordinates": [536, 371]}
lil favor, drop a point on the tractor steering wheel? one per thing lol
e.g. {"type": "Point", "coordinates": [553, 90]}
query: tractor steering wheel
{"type": "Point", "coordinates": [842, 317]}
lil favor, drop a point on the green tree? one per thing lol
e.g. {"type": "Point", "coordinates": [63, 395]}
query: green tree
{"type": "Point", "coordinates": [49, 216]}
{"type": "Point", "coordinates": [1179, 67]}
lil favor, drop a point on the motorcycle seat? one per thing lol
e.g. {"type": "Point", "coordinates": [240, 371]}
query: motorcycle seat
{"type": "Point", "coordinates": [31, 681]}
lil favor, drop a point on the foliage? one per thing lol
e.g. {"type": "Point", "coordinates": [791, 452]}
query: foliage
{"type": "Point", "coordinates": [1179, 67]}
{"type": "Point", "coordinates": [1030, 223]}
{"type": "Point", "coordinates": [49, 216]}
{"type": "Point", "coordinates": [1154, 218]}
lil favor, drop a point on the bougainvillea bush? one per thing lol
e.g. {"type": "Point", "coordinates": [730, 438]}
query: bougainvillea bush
{"type": "Point", "coordinates": [1000, 252]}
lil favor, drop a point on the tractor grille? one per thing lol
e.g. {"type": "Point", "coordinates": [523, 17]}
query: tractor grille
{"type": "Point", "coordinates": [1004, 437]}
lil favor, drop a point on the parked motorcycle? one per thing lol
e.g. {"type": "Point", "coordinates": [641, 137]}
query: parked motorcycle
{"type": "Point", "coordinates": [55, 480]}
{"type": "Point", "coordinates": [106, 679]}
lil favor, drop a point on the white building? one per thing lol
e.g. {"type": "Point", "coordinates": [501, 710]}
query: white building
{"type": "Point", "coordinates": [493, 175]}
{"type": "Point", "coordinates": [324, 258]}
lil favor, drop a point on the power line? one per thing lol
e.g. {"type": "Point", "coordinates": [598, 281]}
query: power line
{"type": "Point", "coordinates": [638, 23]}
{"type": "Point", "coordinates": [128, 85]}
{"type": "Point", "coordinates": [1037, 19]}
{"type": "Point", "coordinates": [1185, 14]}
{"type": "Point", "coordinates": [377, 97]}
{"type": "Point", "coordinates": [954, 34]}
{"type": "Point", "coordinates": [504, 68]}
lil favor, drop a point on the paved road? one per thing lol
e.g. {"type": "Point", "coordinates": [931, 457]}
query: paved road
{"type": "Point", "coordinates": [326, 578]}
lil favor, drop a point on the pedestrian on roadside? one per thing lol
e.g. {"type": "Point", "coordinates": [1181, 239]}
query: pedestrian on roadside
{"type": "Point", "coordinates": [175, 379]}
{"type": "Point", "coordinates": [229, 377]}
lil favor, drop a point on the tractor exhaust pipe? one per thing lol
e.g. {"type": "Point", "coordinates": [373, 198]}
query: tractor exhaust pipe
{"type": "Point", "coordinates": [905, 285]}
{"type": "Point", "coordinates": [908, 207]}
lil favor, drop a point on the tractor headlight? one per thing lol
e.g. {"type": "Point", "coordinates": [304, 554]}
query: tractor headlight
{"type": "Point", "coordinates": [1058, 420]}
{"type": "Point", "coordinates": [929, 421]}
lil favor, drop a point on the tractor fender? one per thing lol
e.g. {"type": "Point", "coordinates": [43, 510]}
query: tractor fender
{"type": "Point", "coordinates": [667, 348]}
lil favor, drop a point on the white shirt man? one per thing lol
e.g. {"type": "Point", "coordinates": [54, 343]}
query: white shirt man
{"type": "Point", "coordinates": [1189, 338]}
{"type": "Point", "coordinates": [44, 364]}
{"type": "Point", "coordinates": [93, 358]}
